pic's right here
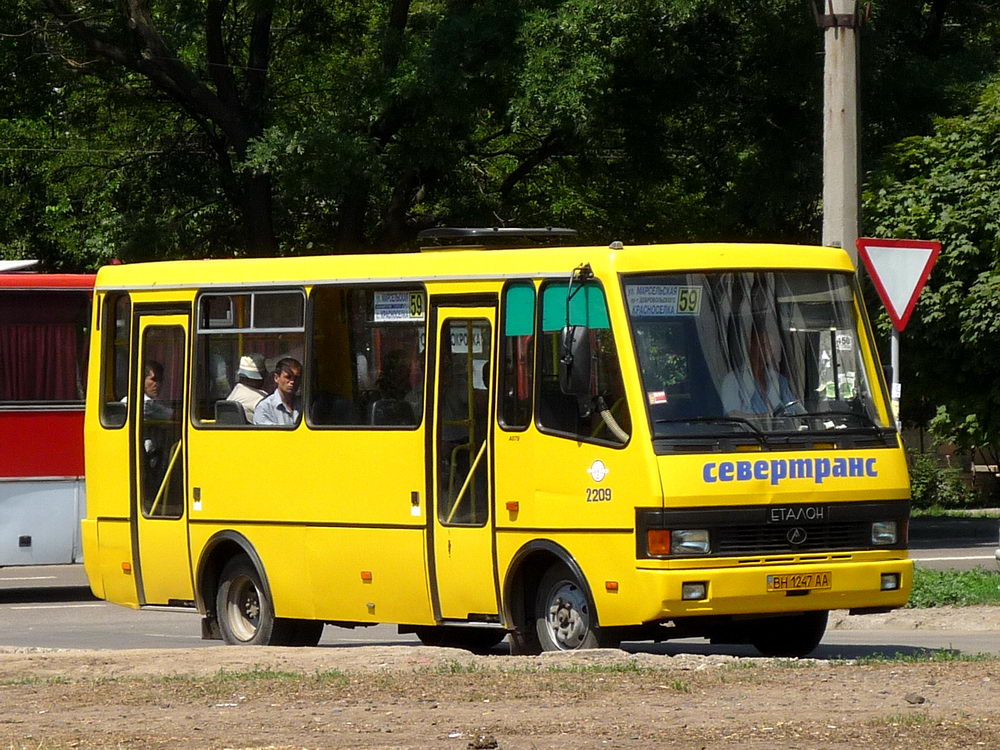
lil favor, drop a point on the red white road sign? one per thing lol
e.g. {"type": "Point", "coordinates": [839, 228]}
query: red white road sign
{"type": "Point", "coordinates": [899, 269]}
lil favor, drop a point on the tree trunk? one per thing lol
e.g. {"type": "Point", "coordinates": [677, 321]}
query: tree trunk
{"type": "Point", "coordinates": [353, 211]}
{"type": "Point", "coordinates": [257, 218]}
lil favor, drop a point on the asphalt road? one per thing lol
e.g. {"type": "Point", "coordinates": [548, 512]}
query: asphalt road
{"type": "Point", "coordinates": [954, 543]}
{"type": "Point", "coordinates": [51, 607]}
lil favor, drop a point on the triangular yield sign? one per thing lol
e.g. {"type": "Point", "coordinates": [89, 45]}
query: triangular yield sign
{"type": "Point", "coordinates": [899, 270]}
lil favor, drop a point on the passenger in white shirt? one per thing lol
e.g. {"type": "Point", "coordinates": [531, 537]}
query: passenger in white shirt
{"type": "Point", "coordinates": [248, 391]}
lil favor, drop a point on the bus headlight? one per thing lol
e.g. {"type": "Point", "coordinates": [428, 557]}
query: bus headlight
{"type": "Point", "coordinates": [690, 542]}
{"type": "Point", "coordinates": [884, 532]}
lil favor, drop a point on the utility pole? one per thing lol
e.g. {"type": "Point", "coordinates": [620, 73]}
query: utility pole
{"type": "Point", "coordinates": [839, 20]}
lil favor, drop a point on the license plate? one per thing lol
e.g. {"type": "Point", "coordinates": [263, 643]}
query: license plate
{"type": "Point", "coordinates": [799, 581]}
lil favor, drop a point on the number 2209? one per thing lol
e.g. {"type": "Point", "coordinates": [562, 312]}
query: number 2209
{"type": "Point", "coordinates": [598, 494]}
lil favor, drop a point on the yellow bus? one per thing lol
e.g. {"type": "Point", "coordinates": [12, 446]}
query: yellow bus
{"type": "Point", "coordinates": [567, 445]}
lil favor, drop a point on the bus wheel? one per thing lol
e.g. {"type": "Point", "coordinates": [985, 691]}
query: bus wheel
{"type": "Point", "coordinates": [563, 617]}
{"type": "Point", "coordinates": [796, 635]}
{"type": "Point", "coordinates": [476, 640]}
{"type": "Point", "coordinates": [246, 615]}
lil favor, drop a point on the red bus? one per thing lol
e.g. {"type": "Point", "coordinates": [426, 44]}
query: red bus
{"type": "Point", "coordinates": [44, 335]}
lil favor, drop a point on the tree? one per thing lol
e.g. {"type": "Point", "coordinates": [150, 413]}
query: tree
{"type": "Point", "coordinates": [227, 99]}
{"type": "Point", "coordinates": [946, 186]}
{"type": "Point", "coordinates": [248, 126]}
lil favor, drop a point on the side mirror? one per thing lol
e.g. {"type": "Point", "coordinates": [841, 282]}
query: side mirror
{"type": "Point", "coordinates": [574, 361]}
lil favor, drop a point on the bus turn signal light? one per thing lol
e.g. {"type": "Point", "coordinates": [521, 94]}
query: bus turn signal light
{"type": "Point", "coordinates": [127, 568]}
{"type": "Point", "coordinates": [366, 576]}
{"type": "Point", "coordinates": [658, 541]}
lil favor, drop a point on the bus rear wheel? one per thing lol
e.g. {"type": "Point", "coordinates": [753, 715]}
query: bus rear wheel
{"type": "Point", "coordinates": [476, 640]}
{"type": "Point", "coordinates": [246, 614]}
{"type": "Point", "coordinates": [795, 635]}
{"type": "Point", "coordinates": [564, 619]}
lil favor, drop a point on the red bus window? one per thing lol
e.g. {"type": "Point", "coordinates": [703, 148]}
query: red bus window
{"type": "Point", "coordinates": [43, 346]}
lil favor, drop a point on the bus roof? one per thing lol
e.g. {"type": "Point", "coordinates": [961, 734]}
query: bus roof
{"type": "Point", "coordinates": [471, 264]}
{"type": "Point", "coordinates": [47, 280]}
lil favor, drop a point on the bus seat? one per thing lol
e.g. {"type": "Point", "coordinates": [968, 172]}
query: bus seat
{"type": "Point", "coordinates": [391, 411]}
{"type": "Point", "coordinates": [230, 413]}
{"type": "Point", "coordinates": [328, 408]}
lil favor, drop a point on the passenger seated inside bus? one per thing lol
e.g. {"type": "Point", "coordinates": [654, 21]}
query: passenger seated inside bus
{"type": "Point", "coordinates": [152, 382]}
{"type": "Point", "coordinates": [284, 406]}
{"type": "Point", "coordinates": [391, 404]}
{"type": "Point", "coordinates": [249, 390]}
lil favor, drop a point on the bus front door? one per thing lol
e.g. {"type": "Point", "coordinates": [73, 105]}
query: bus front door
{"type": "Point", "coordinates": [159, 517]}
{"type": "Point", "coordinates": [464, 582]}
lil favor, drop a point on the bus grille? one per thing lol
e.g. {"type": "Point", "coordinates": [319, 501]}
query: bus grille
{"type": "Point", "coordinates": [756, 539]}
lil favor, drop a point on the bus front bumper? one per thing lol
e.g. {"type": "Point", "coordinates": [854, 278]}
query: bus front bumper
{"type": "Point", "coordinates": [775, 589]}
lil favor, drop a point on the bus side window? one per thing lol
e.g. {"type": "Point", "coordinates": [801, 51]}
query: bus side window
{"type": "Point", "coordinates": [240, 337]}
{"type": "Point", "coordinates": [518, 351]}
{"type": "Point", "coordinates": [367, 367]}
{"type": "Point", "coordinates": [115, 340]}
{"type": "Point", "coordinates": [558, 412]}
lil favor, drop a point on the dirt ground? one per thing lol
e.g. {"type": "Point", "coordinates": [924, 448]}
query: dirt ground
{"type": "Point", "coordinates": [418, 697]}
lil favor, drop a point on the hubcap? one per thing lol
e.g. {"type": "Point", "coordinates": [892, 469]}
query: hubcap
{"type": "Point", "coordinates": [568, 617]}
{"type": "Point", "coordinates": [243, 608]}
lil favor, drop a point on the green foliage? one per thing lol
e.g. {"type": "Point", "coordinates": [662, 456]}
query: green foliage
{"type": "Point", "coordinates": [637, 120]}
{"type": "Point", "coordinates": [949, 588]}
{"type": "Point", "coordinates": [937, 486]}
{"type": "Point", "coordinates": [642, 120]}
{"type": "Point", "coordinates": [946, 186]}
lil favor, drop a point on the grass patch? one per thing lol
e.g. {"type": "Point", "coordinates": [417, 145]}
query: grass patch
{"type": "Point", "coordinates": [905, 720]}
{"type": "Point", "coordinates": [628, 667]}
{"type": "Point", "coordinates": [961, 588]}
{"type": "Point", "coordinates": [257, 674]}
{"type": "Point", "coordinates": [938, 511]}
{"type": "Point", "coordinates": [23, 681]}
{"type": "Point", "coordinates": [456, 667]}
{"type": "Point", "coordinates": [930, 656]}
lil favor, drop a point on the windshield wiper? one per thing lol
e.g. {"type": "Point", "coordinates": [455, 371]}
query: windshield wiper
{"type": "Point", "coordinates": [715, 420]}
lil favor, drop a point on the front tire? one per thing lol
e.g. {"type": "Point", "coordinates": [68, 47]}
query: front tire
{"type": "Point", "coordinates": [564, 618]}
{"type": "Point", "coordinates": [793, 636]}
{"type": "Point", "coordinates": [244, 610]}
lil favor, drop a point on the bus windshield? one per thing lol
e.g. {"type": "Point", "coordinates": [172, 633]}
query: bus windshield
{"type": "Point", "coordinates": [755, 354]}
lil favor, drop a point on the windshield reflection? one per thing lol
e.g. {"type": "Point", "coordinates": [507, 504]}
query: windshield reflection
{"type": "Point", "coordinates": [752, 353]}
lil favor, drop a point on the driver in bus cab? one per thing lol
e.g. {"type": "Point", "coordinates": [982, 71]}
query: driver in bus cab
{"type": "Point", "coordinates": [759, 388]}
{"type": "Point", "coordinates": [284, 406]}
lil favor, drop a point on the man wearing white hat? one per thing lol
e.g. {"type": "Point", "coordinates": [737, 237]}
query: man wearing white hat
{"type": "Point", "coordinates": [248, 391]}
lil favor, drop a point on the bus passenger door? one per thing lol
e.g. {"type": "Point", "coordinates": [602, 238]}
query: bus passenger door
{"type": "Point", "coordinates": [463, 579]}
{"type": "Point", "coordinates": [159, 517]}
